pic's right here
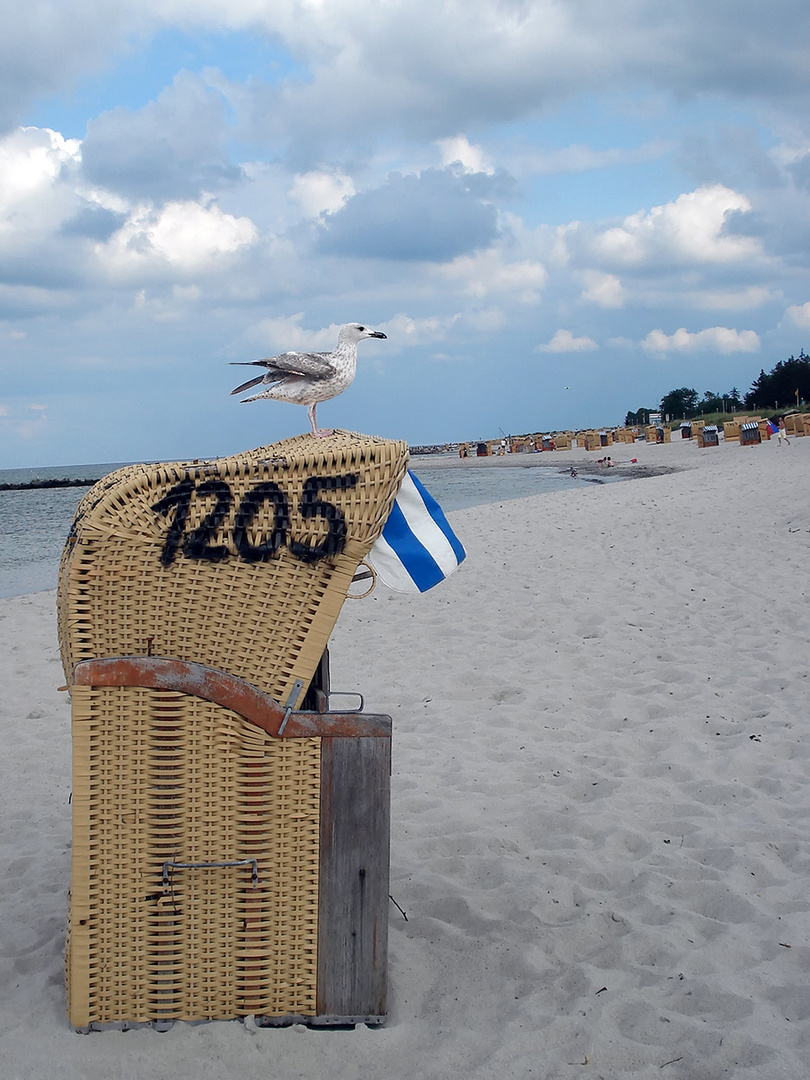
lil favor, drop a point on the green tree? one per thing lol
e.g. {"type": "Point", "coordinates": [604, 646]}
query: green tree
{"type": "Point", "coordinates": [781, 384]}
{"type": "Point", "coordinates": [639, 418]}
{"type": "Point", "coordinates": [711, 402]}
{"type": "Point", "coordinates": [680, 404]}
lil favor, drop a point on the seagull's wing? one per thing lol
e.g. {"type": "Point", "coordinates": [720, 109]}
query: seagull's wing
{"type": "Point", "coordinates": [313, 365]}
{"type": "Point", "coordinates": [252, 382]}
{"type": "Point", "coordinates": [305, 364]}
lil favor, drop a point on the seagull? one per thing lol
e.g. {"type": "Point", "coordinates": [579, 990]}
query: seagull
{"type": "Point", "coordinates": [305, 378]}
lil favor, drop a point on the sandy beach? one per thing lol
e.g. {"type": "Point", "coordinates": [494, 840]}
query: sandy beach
{"type": "Point", "coordinates": [600, 798]}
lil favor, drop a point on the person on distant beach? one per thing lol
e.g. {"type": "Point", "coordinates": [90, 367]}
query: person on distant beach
{"type": "Point", "coordinates": [782, 432]}
{"type": "Point", "coordinates": [573, 471]}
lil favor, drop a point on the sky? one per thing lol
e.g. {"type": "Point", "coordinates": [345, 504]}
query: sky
{"type": "Point", "coordinates": [556, 210]}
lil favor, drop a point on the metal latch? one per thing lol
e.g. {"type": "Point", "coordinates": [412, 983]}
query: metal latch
{"type": "Point", "coordinates": [296, 690]}
{"type": "Point", "coordinates": [169, 864]}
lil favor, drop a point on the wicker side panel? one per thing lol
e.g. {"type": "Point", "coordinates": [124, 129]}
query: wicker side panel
{"type": "Point", "coordinates": [160, 776]}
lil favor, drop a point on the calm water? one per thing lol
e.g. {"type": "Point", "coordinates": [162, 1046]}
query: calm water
{"type": "Point", "coordinates": [34, 523]}
{"type": "Point", "coordinates": [455, 489]}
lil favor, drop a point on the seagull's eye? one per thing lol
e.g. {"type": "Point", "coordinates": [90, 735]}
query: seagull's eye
{"type": "Point", "coordinates": [361, 327]}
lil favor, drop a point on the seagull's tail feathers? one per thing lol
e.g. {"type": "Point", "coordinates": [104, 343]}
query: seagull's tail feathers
{"type": "Point", "coordinates": [247, 385]}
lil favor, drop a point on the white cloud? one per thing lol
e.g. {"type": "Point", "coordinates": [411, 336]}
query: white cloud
{"type": "Point", "coordinates": [453, 61]}
{"type": "Point", "coordinates": [33, 198]}
{"type": "Point", "coordinates": [714, 339]}
{"type": "Point", "coordinates": [321, 191]}
{"type": "Point", "coordinates": [486, 320]}
{"type": "Point", "coordinates": [107, 249]}
{"type": "Point", "coordinates": [688, 229]}
{"type": "Point", "coordinates": [175, 147]}
{"type": "Point", "coordinates": [800, 314]}
{"type": "Point", "coordinates": [31, 159]}
{"type": "Point", "coordinates": [187, 294]}
{"type": "Point", "coordinates": [458, 149]}
{"type": "Point", "coordinates": [605, 290]}
{"type": "Point", "coordinates": [190, 233]}
{"type": "Point", "coordinates": [565, 342]}
{"type": "Point", "coordinates": [458, 63]}
{"type": "Point", "coordinates": [187, 235]}
{"type": "Point", "coordinates": [405, 330]}
{"type": "Point", "coordinates": [732, 299]}
{"type": "Point", "coordinates": [579, 158]}
{"type": "Point", "coordinates": [285, 332]}
{"type": "Point", "coordinates": [488, 272]}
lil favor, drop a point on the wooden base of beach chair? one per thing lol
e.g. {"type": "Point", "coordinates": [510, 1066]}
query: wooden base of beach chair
{"type": "Point", "coordinates": [230, 855]}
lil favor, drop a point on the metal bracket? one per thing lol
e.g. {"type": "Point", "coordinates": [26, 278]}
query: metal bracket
{"type": "Point", "coordinates": [344, 693]}
{"type": "Point", "coordinates": [296, 690]}
{"type": "Point", "coordinates": [254, 863]}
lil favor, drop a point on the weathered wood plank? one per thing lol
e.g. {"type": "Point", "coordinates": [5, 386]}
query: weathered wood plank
{"type": "Point", "coordinates": [354, 865]}
{"type": "Point", "coordinates": [188, 677]}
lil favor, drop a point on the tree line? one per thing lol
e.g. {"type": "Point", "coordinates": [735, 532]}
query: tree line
{"type": "Point", "coordinates": [784, 386]}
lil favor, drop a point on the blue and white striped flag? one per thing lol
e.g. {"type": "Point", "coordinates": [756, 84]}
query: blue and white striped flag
{"type": "Point", "coordinates": [417, 549]}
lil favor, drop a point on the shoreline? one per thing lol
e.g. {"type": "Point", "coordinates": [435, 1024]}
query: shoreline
{"type": "Point", "coordinates": [631, 461]}
{"type": "Point", "coordinates": [545, 459]}
{"type": "Point", "coordinates": [588, 465]}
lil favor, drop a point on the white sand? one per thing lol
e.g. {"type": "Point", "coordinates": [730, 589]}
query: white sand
{"type": "Point", "coordinates": [601, 798]}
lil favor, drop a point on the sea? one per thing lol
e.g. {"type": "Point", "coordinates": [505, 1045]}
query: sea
{"type": "Point", "coordinates": [34, 522]}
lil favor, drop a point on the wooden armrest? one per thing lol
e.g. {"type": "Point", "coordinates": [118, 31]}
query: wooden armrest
{"type": "Point", "coordinates": [161, 673]}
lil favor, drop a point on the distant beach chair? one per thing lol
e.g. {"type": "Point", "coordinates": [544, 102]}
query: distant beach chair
{"type": "Point", "coordinates": [708, 436]}
{"type": "Point", "coordinates": [230, 832]}
{"type": "Point", "coordinates": [750, 432]}
{"type": "Point", "coordinates": [657, 433]}
{"type": "Point", "coordinates": [731, 430]}
{"type": "Point", "coordinates": [591, 440]}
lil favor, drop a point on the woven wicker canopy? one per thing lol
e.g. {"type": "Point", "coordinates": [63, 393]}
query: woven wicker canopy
{"type": "Point", "coordinates": [241, 563]}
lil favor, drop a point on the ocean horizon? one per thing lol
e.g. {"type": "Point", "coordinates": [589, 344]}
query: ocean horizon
{"type": "Point", "coordinates": [34, 522]}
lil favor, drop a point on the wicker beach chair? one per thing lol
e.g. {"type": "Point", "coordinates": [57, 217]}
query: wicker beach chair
{"type": "Point", "coordinates": [230, 853]}
{"type": "Point", "coordinates": [750, 435]}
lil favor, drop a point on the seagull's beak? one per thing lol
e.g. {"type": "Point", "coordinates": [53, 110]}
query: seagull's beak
{"type": "Point", "coordinates": [378, 333]}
